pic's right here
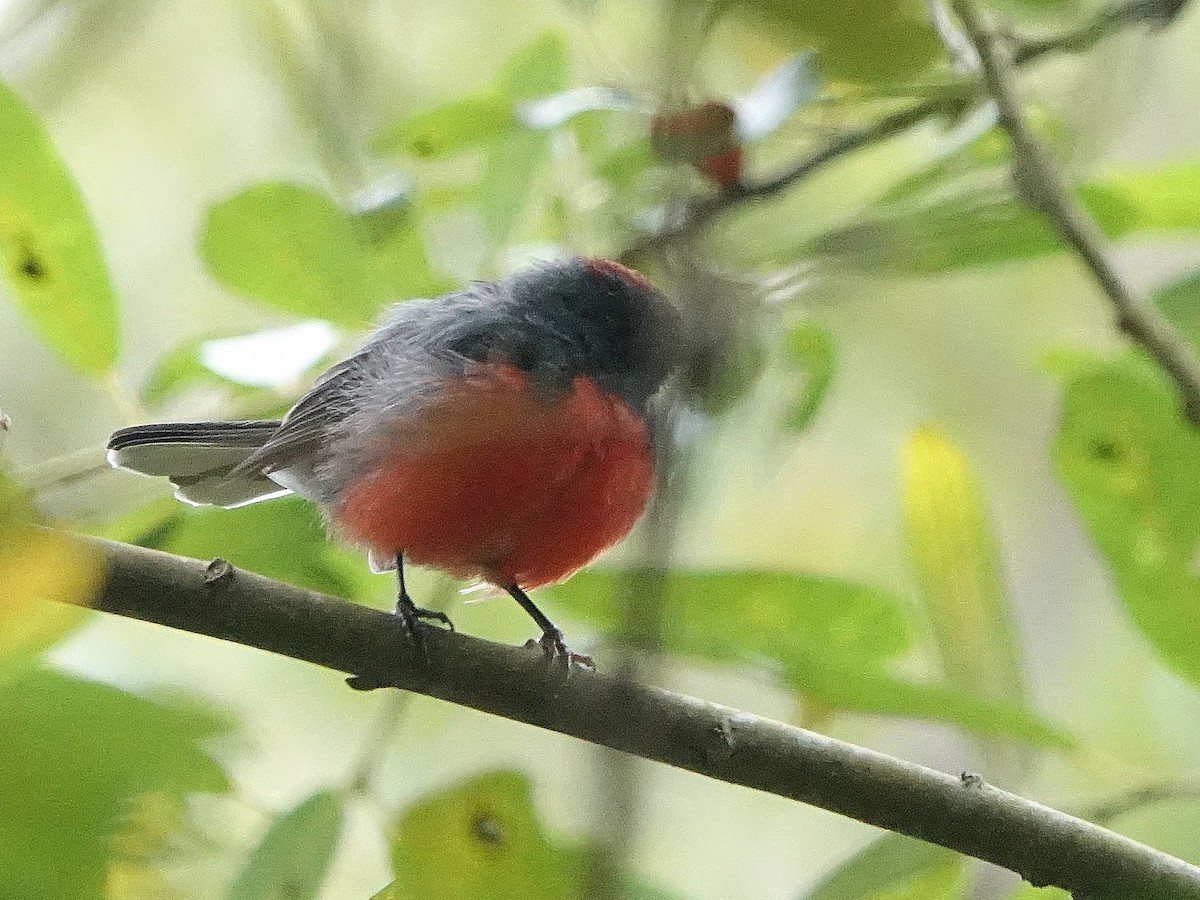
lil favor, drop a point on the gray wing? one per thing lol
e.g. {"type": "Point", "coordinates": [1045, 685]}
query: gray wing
{"type": "Point", "coordinates": [335, 430]}
{"type": "Point", "coordinates": [305, 429]}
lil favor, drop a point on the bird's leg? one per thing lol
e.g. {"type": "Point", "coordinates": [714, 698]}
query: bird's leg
{"type": "Point", "coordinates": [410, 614]}
{"type": "Point", "coordinates": [551, 640]}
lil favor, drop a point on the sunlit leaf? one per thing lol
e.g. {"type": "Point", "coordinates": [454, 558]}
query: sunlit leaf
{"type": "Point", "coordinates": [178, 370]}
{"type": "Point", "coordinates": [856, 40]}
{"type": "Point", "coordinates": [184, 370]}
{"type": "Point", "coordinates": [293, 249]}
{"type": "Point", "coordinates": [449, 129]}
{"type": "Point", "coordinates": [38, 566]}
{"type": "Point", "coordinates": [489, 843]}
{"type": "Point", "coordinates": [74, 751]}
{"type": "Point", "coordinates": [892, 868]}
{"type": "Point", "coordinates": [1132, 466]}
{"type": "Point", "coordinates": [955, 561]}
{"type": "Point", "coordinates": [980, 228]}
{"type": "Point", "coordinates": [49, 252]}
{"type": "Point", "coordinates": [829, 639]}
{"type": "Point", "coordinates": [293, 859]}
{"type": "Point", "coordinates": [809, 350]}
{"type": "Point", "coordinates": [150, 823]}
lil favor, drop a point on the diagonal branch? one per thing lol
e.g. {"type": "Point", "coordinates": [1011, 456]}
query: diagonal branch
{"type": "Point", "coordinates": [1109, 20]}
{"type": "Point", "coordinates": [1045, 846]}
{"type": "Point", "coordinates": [1043, 187]}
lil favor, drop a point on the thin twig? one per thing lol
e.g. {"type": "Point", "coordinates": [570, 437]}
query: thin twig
{"type": "Point", "coordinates": [1169, 791]}
{"type": "Point", "coordinates": [703, 210]}
{"type": "Point", "coordinates": [1045, 846]}
{"type": "Point", "coordinates": [1108, 21]}
{"type": "Point", "coordinates": [1040, 183]}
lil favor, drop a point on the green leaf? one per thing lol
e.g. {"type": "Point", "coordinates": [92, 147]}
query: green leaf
{"type": "Point", "coordinates": [954, 557]}
{"type": "Point", "coordinates": [1132, 467]}
{"type": "Point", "coordinates": [893, 867]}
{"type": "Point", "coordinates": [49, 251]}
{"type": "Point", "coordinates": [624, 165]}
{"type": "Point", "coordinates": [809, 349]}
{"type": "Point", "coordinates": [778, 615]}
{"type": "Point", "coordinates": [514, 153]}
{"type": "Point", "coordinates": [873, 41]}
{"type": "Point", "coordinates": [536, 70]}
{"type": "Point", "coordinates": [392, 233]}
{"type": "Point", "coordinates": [1180, 303]}
{"type": "Point", "coordinates": [830, 639]}
{"type": "Point", "coordinates": [1029, 892]}
{"type": "Point", "coordinates": [182, 369]}
{"type": "Point", "coordinates": [878, 692]}
{"type": "Point", "coordinates": [294, 856]}
{"type": "Point", "coordinates": [72, 753]}
{"type": "Point", "coordinates": [489, 843]}
{"type": "Point", "coordinates": [292, 248]}
{"type": "Point", "coordinates": [449, 129]}
{"type": "Point", "coordinates": [981, 228]}
{"type": "Point", "coordinates": [511, 166]}
{"type": "Point", "coordinates": [282, 539]}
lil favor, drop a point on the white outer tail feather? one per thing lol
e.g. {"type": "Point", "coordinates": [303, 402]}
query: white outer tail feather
{"type": "Point", "coordinates": [198, 459]}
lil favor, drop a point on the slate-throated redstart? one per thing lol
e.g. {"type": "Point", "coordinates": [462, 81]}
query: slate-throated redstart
{"type": "Point", "coordinates": [500, 432]}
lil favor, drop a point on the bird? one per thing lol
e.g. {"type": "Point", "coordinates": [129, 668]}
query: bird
{"type": "Point", "coordinates": [507, 432]}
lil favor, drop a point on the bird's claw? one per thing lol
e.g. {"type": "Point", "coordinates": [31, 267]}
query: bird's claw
{"type": "Point", "coordinates": [413, 614]}
{"type": "Point", "coordinates": [559, 654]}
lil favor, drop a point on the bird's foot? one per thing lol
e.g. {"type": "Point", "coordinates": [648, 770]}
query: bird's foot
{"type": "Point", "coordinates": [557, 653]}
{"type": "Point", "coordinates": [411, 618]}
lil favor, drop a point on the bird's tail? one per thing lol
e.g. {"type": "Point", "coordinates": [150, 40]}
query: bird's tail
{"type": "Point", "coordinates": [200, 458]}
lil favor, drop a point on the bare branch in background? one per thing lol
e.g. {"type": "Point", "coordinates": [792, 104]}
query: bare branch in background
{"type": "Point", "coordinates": [962, 813]}
{"type": "Point", "coordinates": [1040, 183]}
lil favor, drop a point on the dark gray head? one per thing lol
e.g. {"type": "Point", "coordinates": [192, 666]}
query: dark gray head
{"type": "Point", "coordinates": [589, 317]}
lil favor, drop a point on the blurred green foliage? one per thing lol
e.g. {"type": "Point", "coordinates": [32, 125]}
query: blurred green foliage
{"type": "Point", "coordinates": [483, 838]}
{"type": "Point", "coordinates": [294, 856]}
{"type": "Point", "coordinates": [895, 867]}
{"type": "Point", "coordinates": [971, 226]}
{"type": "Point", "coordinates": [828, 638]}
{"type": "Point", "coordinates": [73, 755]}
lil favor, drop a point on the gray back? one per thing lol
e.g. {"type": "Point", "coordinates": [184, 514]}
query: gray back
{"type": "Point", "coordinates": [555, 321]}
